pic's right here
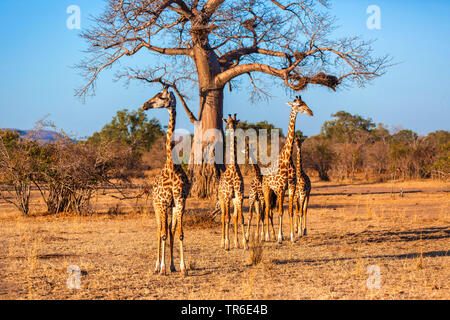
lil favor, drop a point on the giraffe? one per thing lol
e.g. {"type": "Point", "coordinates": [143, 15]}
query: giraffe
{"type": "Point", "coordinates": [231, 184]}
{"type": "Point", "coordinates": [256, 200]}
{"type": "Point", "coordinates": [281, 172]}
{"type": "Point", "coordinates": [170, 191]}
{"type": "Point", "coordinates": [302, 191]}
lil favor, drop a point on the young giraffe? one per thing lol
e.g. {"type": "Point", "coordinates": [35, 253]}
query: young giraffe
{"type": "Point", "coordinates": [170, 191]}
{"type": "Point", "coordinates": [278, 179]}
{"type": "Point", "coordinates": [302, 191]}
{"type": "Point", "coordinates": [231, 184]}
{"type": "Point", "coordinates": [255, 198]}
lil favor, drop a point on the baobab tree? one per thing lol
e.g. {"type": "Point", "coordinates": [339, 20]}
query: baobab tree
{"type": "Point", "coordinates": [212, 43]}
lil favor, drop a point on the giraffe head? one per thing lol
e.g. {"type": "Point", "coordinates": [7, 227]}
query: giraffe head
{"type": "Point", "coordinates": [231, 122]}
{"type": "Point", "coordinates": [164, 99]}
{"type": "Point", "coordinates": [299, 106]}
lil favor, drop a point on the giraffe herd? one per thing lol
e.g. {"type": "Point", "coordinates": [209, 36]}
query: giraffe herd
{"type": "Point", "coordinates": [267, 191]}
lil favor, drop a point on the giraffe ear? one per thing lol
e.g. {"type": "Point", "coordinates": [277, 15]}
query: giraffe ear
{"type": "Point", "coordinates": [289, 104]}
{"type": "Point", "coordinates": [225, 120]}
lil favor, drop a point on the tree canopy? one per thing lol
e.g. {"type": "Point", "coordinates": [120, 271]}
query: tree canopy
{"type": "Point", "coordinates": [261, 125]}
{"type": "Point", "coordinates": [346, 126]}
{"type": "Point", "coordinates": [212, 42]}
{"type": "Point", "coordinates": [131, 128]}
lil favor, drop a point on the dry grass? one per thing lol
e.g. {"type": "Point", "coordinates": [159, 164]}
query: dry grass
{"type": "Point", "coordinates": [350, 227]}
{"type": "Point", "coordinates": [256, 248]}
{"type": "Point", "coordinates": [200, 219]}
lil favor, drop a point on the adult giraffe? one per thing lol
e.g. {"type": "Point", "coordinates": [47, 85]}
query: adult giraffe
{"type": "Point", "coordinates": [231, 187]}
{"type": "Point", "coordinates": [277, 179]}
{"type": "Point", "coordinates": [171, 189]}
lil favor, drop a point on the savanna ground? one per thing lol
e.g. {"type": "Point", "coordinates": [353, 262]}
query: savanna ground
{"type": "Point", "coordinates": [351, 227]}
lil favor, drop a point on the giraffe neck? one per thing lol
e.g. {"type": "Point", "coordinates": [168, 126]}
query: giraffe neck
{"type": "Point", "coordinates": [256, 169]}
{"type": "Point", "coordinates": [233, 148]}
{"type": "Point", "coordinates": [170, 128]}
{"type": "Point", "coordinates": [287, 149]}
{"type": "Point", "coordinates": [299, 160]}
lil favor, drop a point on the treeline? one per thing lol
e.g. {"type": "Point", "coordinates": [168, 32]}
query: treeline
{"type": "Point", "coordinates": [68, 173]}
{"type": "Point", "coordinates": [350, 144]}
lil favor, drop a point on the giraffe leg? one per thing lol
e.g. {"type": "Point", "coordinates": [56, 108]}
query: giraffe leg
{"type": "Point", "coordinates": [163, 245]}
{"type": "Point", "coordinates": [258, 219]}
{"type": "Point", "coordinates": [222, 208]}
{"type": "Point", "coordinates": [280, 218]}
{"type": "Point", "coordinates": [172, 227]}
{"type": "Point", "coordinates": [261, 217]}
{"type": "Point", "coordinates": [271, 223]}
{"type": "Point", "coordinates": [302, 211]}
{"type": "Point", "coordinates": [241, 219]}
{"type": "Point", "coordinates": [250, 212]}
{"type": "Point", "coordinates": [291, 215]}
{"type": "Point", "coordinates": [227, 226]}
{"type": "Point", "coordinates": [158, 226]}
{"type": "Point", "coordinates": [296, 226]}
{"type": "Point", "coordinates": [235, 221]}
{"type": "Point", "coordinates": [179, 218]}
{"type": "Point", "coordinates": [305, 210]}
{"type": "Point", "coordinates": [266, 213]}
{"type": "Point", "coordinates": [163, 253]}
{"type": "Point", "coordinates": [271, 217]}
{"type": "Point", "coordinates": [268, 223]}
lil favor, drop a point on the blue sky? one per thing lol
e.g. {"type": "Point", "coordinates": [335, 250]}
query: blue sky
{"type": "Point", "coordinates": [38, 52]}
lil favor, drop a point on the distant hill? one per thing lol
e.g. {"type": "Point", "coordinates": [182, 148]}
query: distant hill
{"type": "Point", "coordinates": [44, 136]}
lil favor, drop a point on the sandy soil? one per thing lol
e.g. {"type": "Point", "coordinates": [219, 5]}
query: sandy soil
{"type": "Point", "coordinates": [353, 229]}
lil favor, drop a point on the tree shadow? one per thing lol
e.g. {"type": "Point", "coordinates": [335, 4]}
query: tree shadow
{"type": "Point", "coordinates": [344, 185]}
{"type": "Point", "coordinates": [403, 256]}
{"type": "Point", "coordinates": [429, 233]}
{"type": "Point", "coordinates": [200, 272]}
{"type": "Point", "coordinates": [349, 194]}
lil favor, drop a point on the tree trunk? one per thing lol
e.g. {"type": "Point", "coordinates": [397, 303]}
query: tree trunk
{"type": "Point", "coordinates": [206, 170]}
{"type": "Point", "coordinates": [206, 174]}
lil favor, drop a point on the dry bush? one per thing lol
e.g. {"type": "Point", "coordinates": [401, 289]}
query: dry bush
{"type": "Point", "coordinates": [199, 219]}
{"type": "Point", "coordinates": [75, 171]}
{"type": "Point", "coordinates": [67, 173]}
{"type": "Point", "coordinates": [256, 249]}
{"type": "Point", "coordinates": [16, 170]}
{"type": "Point", "coordinates": [319, 156]}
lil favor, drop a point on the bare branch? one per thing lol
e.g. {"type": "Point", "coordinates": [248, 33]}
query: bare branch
{"type": "Point", "coordinates": [150, 77]}
{"type": "Point", "coordinates": [221, 40]}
